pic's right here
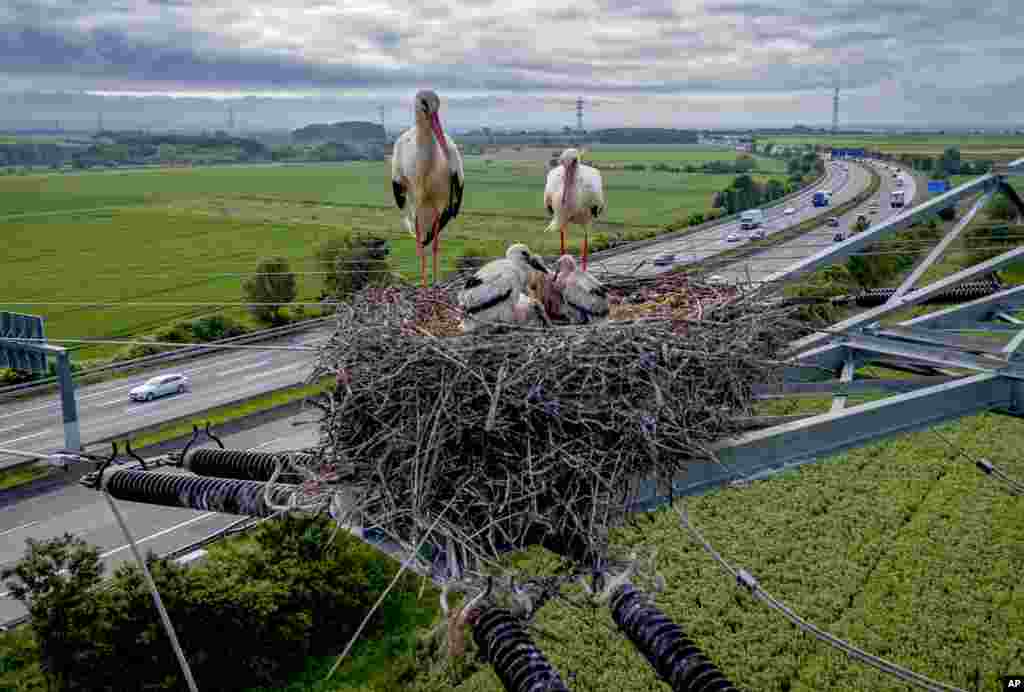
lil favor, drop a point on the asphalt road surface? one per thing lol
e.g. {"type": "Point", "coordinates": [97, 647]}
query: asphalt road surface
{"type": "Point", "coordinates": [845, 180]}
{"type": "Point", "coordinates": [104, 409]}
{"type": "Point", "coordinates": [777, 258]}
{"type": "Point", "coordinates": [84, 513]}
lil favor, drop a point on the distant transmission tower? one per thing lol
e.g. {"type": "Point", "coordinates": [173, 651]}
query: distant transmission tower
{"type": "Point", "coordinates": [579, 115]}
{"type": "Point", "coordinates": [99, 122]}
{"type": "Point", "coordinates": [231, 119]}
{"type": "Point", "coordinates": [835, 110]}
{"type": "Point", "coordinates": [383, 111]}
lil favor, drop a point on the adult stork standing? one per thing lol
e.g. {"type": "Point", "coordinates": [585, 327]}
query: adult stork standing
{"type": "Point", "coordinates": [574, 194]}
{"type": "Point", "coordinates": [583, 298]}
{"type": "Point", "coordinates": [427, 178]}
{"type": "Point", "coordinates": [493, 293]}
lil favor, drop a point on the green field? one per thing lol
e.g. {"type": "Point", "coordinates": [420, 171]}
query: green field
{"type": "Point", "coordinates": [180, 234]}
{"type": "Point", "coordinates": [994, 147]}
{"type": "Point", "coordinates": [681, 154]}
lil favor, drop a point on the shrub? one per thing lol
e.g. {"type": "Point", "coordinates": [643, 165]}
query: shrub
{"type": "Point", "coordinates": [215, 327]}
{"type": "Point", "coordinates": [695, 219]}
{"type": "Point", "coordinates": [598, 242]}
{"type": "Point", "coordinates": [244, 618]}
{"type": "Point", "coordinates": [353, 262]}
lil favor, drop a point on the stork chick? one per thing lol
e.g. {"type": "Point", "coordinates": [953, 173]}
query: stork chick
{"type": "Point", "coordinates": [574, 194]}
{"type": "Point", "coordinates": [492, 294]}
{"type": "Point", "coordinates": [583, 298]}
{"type": "Point", "coordinates": [427, 178]}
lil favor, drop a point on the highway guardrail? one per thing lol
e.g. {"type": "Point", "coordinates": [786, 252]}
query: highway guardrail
{"type": "Point", "coordinates": [187, 351]}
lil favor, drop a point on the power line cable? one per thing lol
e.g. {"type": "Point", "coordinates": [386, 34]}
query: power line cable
{"type": "Point", "coordinates": [745, 579]}
{"type": "Point", "coordinates": [985, 466]}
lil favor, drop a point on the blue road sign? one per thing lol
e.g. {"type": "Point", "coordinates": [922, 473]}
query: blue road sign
{"type": "Point", "coordinates": [17, 355]}
{"type": "Point", "coordinates": [937, 186]}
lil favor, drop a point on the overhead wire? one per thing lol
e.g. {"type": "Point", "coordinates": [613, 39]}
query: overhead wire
{"type": "Point", "coordinates": [745, 579]}
{"type": "Point", "coordinates": [985, 466]}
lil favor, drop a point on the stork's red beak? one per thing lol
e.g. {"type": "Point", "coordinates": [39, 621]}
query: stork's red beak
{"type": "Point", "coordinates": [435, 125]}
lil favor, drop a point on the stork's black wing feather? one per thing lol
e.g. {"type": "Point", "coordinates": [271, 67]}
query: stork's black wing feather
{"type": "Point", "coordinates": [399, 191]}
{"type": "Point", "coordinates": [595, 211]}
{"type": "Point", "coordinates": [473, 282]}
{"type": "Point", "coordinates": [550, 209]}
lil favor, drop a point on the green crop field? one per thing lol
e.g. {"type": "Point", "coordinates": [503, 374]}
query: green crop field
{"type": "Point", "coordinates": [994, 147]}
{"type": "Point", "coordinates": [681, 155]}
{"type": "Point", "coordinates": [179, 234]}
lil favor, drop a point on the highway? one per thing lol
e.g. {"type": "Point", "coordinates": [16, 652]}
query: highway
{"type": "Point", "coordinates": [104, 409]}
{"type": "Point", "coordinates": [845, 180]}
{"type": "Point", "coordinates": [778, 258]}
{"type": "Point", "coordinates": [84, 513]}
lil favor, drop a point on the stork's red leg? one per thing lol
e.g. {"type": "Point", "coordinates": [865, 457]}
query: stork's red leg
{"type": "Point", "coordinates": [437, 242]}
{"type": "Point", "coordinates": [583, 261]}
{"type": "Point", "coordinates": [421, 254]}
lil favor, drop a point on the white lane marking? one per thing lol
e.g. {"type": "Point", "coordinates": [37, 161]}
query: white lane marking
{"type": "Point", "coordinates": [273, 372]}
{"type": "Point", "coordinates": [108, 402]}
{"type": "Point", "coordinates": [260, 445]}
{"type": "Point", "coordinates": [18, 528]}
{"type": "Point", "coordinates": [130, 385]}
{"type": "Point", "coordinates": [150, 537]}
{"type": "Point", "coordinates": [166, 531]}
{"type": "Point", "coordinates": [26, 437]}
{"type": "Point", "coordinates": [244, 367]}
{"type": "Point", "coordinates": [13, 428]}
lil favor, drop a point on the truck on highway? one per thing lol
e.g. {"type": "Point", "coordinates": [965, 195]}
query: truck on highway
{"type": "Point", "coordinates": [750, 219]}
{"type": "Point", "coordinates": [896, 199]}
{"type": "Point", "coordinates": [822, 198]}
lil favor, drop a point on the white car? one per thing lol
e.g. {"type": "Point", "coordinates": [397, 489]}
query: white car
{"type": "Point", "coordinates": [160, 386]}
{"type": "Point", "coordinates": [732, 237]}
{"type": "Point", "coordinates": [789, 210]}
{"type": "Point", "coordinates": [666, 260]}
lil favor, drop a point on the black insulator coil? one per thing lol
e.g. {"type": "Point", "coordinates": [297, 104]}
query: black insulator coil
{"type": "Point", "coordinates": [236, 463]}
{"type": "Point", "coordinates": [229, 496]}
{"type": "Point", "coordinates": [520, 665]}
{"type": "Point", "coordinates": [673, 656]}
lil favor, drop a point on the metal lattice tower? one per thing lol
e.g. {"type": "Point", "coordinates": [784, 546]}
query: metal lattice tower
{"type": "Point", "coordinates": [231, 119]}
{"type": "Point", "coordinates": [835, 110]}
{"type": "Point", "coordinates": [99, 122]}
{"type": "Point", "coordinates": [382, 111]}
{"type": "Point", "coordinates": [579, 114]}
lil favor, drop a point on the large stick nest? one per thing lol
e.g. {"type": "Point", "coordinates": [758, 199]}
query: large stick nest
{"type": "Point", "coordinates": [542, 433]}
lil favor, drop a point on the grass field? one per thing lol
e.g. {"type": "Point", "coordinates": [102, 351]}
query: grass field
{"type": "Point", "coordinates": [185, 235]}
{"type": "Point", "coordinates": [994, 147]}
{"type": "Point", "coordinates": [680, 155]}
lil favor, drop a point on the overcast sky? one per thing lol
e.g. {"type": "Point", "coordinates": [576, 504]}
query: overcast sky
{"type": "Point", "coordinates": [518, 63]}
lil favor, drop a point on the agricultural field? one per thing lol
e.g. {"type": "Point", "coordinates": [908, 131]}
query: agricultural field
{"type": "Point", "coordinates": [680, 155]}
{"type": "Point", "coordinates": [189, 235]}
{"type": "Point", "coordinates": [902, 548]}
{"type": "Point", "coordinates": [994, 147]}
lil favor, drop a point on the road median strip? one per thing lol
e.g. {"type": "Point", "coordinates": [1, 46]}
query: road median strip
{"type": "Point", "coordinates": [755, 247]}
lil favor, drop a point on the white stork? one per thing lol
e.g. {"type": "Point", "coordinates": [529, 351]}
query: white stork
{"type": "Point", "coordinates": [427, 178]}
{"type": "Point", "coordinates": [574, 194]}
{"type": "Point", "coordinates": [492, 294]}
{"type": "Point", "coordinates": [583, 298]}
